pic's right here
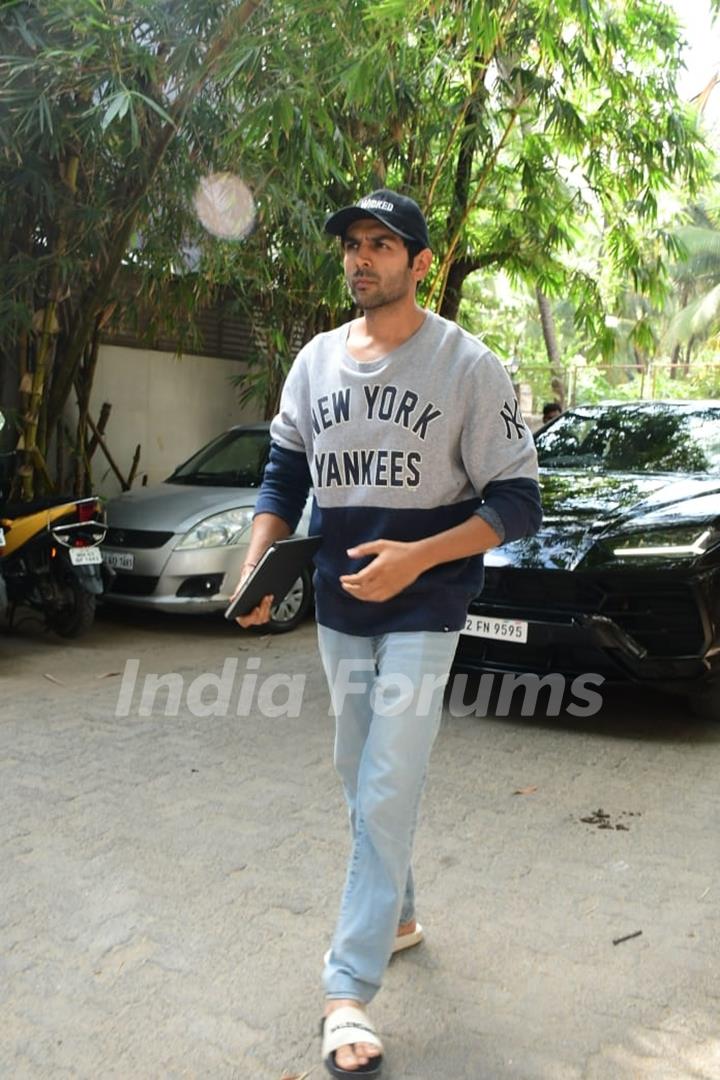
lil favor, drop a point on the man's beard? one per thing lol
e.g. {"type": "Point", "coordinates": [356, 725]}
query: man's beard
{"type": "Point", "coordinates": [396, 288]}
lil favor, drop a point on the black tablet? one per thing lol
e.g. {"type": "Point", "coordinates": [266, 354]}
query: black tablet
{"type": "Point", "coordinates": [276, 572]}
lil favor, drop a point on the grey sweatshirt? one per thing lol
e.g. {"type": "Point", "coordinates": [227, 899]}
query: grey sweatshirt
{"type": "Point", "coordinates": [401, 448]}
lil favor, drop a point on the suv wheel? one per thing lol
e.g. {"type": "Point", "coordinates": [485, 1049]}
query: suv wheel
{"type": "Point", "coordinates": [706, 702]}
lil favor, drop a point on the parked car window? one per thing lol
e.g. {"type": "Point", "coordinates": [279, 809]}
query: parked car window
{"type": "Point", "coordinates": [630, 439]}
{"type": "Point", "coordinates": [236, 458]}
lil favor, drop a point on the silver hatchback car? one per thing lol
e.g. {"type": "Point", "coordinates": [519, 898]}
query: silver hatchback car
{"type": "Point", "coordinates": [179, 546]}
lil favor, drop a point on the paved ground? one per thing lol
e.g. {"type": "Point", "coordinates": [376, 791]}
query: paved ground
{"type": "Point", "coordinates": [168, 882]}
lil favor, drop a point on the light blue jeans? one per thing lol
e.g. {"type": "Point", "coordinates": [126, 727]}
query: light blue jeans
{"type": "Point", "coordinates": [387, 695]}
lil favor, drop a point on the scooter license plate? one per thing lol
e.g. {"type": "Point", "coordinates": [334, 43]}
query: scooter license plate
{"type": "Point", "coordinates": [2, 538]}
{"type": "Point", "coordinates": [85, 556]}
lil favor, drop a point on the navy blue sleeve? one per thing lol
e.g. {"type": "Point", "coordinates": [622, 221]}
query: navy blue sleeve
{"type": "Point", "coordinates": [285, 485]}
{"type": "Point", "coordinates": [516, 503]}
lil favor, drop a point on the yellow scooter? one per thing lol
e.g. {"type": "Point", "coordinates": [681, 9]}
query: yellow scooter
{"type": "Point", "coordinates": [50, 559]}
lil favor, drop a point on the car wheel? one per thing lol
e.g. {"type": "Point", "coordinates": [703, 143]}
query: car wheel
{"type": "Point", "coordinates": [292, 610]}
{"type": "Point", "coordinates": [706, 702]}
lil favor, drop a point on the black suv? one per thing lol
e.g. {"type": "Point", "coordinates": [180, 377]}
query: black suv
{"type": "Point", "coordinates": [623, 578]}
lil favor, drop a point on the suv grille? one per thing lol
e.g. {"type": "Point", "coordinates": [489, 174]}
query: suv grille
{"type": "Point", "coordinates": [658, 612]}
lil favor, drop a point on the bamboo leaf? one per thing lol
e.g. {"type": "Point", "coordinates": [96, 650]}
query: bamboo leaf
{"type": "Point", "coordinates": [45, 121]}
{"type": "Point", "coordinates": [117, 106]}
{"type": "Point", "coordinates": [134, 130]}
{"type": "Point", "coordinates": [285, 113]}
{"type": "Point", "coordinates": [157, 108]}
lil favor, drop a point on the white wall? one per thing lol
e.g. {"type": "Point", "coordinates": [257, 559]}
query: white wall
{"type": "Point", "coordinates": [171, 405]}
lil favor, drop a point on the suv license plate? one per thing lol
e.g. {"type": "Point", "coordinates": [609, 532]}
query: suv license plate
{"type": "Point", "coordinates": [498, 629]}
{"type": "Point", "coordinates": [119, 560]}
{"type": "Point", "coordinates": [85, 556]}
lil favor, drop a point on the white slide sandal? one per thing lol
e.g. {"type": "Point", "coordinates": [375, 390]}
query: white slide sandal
{"type": "Point", "coordinates": [345, 1027]}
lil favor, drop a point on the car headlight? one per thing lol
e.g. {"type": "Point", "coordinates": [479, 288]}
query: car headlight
{"type": "Point", "coordinates": [219, 530]}
{"type": "Point", "coordinates": [673, 542]}
{"type": "Point", "coordinates": [688, 541]}
{"type": "Point", "coordinates": [652, 546]}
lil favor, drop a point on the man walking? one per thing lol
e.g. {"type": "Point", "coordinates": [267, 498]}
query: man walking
{"type": "Point", "coordinates": [407, 428]}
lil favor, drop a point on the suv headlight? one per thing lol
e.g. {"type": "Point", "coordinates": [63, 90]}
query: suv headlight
{"type": "Point", "coordinates": [652, 546]}
{"type": "Point", "coordinates": [684, 541]}
{"type": "Point", "coordinates": [219, 530]}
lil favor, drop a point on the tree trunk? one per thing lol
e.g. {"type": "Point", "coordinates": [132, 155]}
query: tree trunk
{"type": "Point", "coordinates": [547, 321]}
{"type": "Point", "coordinates": [36, 417]}
{"type": "Point", "coordinates": [84, 384]}
{"type": "Point", "coordinates": [31, 419]}
{"type": "Point", "coordinates": [675, 360]}
{"type": "Point", "coordinates": [92, 305]}
{"type": "Point", "coordinates": [459, 270]}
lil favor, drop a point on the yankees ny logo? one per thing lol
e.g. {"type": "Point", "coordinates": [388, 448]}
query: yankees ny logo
{"type": "Point", "coordinates": [512, 420]}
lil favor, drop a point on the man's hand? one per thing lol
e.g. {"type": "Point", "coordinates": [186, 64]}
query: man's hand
{"type": "Point", "coordinates": [395, 566]}
{"type": "Point", "coordinates": [259, 615]}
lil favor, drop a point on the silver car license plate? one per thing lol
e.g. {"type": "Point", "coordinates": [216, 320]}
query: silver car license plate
{"type": "Point", "coordinates": [85, 556]}
{"type": "Point", "coordinates": [498, 629]}
{"type": "Point", "coordinates": [119, 560]}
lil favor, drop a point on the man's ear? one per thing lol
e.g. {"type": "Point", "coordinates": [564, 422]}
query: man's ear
{"type": "Point", "coordinates": [421, 264]}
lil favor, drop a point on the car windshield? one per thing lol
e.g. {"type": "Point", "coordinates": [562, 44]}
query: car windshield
{"type": "Point", "coordinates": [235, 459]}
{"type": "Point", "coordinates": [661, 438]}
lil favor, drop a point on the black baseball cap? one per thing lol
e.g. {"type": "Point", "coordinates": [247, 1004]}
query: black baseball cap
{"type": "Point", "coordinates": [399, 213]}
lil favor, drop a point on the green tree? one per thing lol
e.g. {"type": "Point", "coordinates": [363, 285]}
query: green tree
{"type": "Point", "coordinates": [542, 118]}
{"type": "Point", "coordinates": [517, 123]}
{"type": "Point", "coordinates": [104, 107]}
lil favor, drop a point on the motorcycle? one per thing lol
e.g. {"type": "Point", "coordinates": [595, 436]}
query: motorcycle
{"type": "Point", "coordinates": [50, 559]}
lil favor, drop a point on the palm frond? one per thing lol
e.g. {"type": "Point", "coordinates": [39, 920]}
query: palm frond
{"type": "Point", "coordinates": [699, 318]}
{"type": "Point", "coordinates": [699, 241]}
